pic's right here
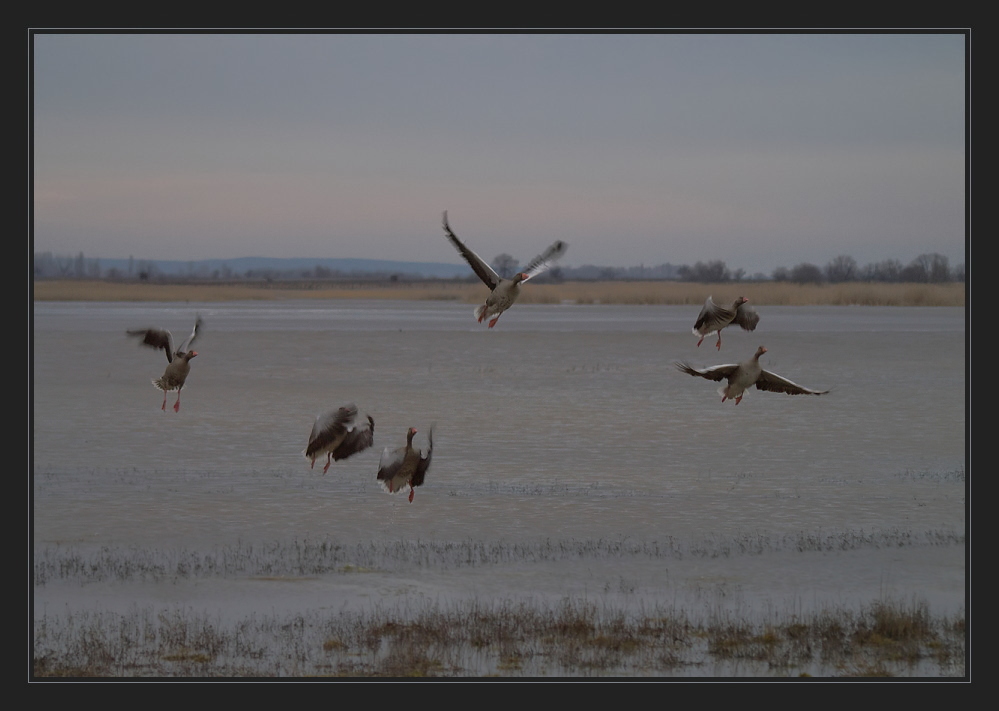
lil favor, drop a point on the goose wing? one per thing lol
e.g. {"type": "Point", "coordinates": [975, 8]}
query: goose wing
{"type": "Point", "coordinates": [746, 317]}
{"type": "Point", "coordinates": [390, 475]}
{"type": "Point", "coordinates": [715, 372]}
{"type": "Point", "coordinates": [424, 464]}
{"type": "Point", "coordinates": [189, 341]}
{"type": "Point", "coordinates": [546, 259]}
{"type": "Point", "coordinates": [341, 432]}
{"type": "Point", "coordinates": [711, 318]}
{"type": "Point", "coordinates": [777, 384]}
{"type": "Point", "coordinates": [481, 269]}
{"type": "Point", "coordinates": [359, 436]}
{"type": "Point", "coordinates": [155, 338]}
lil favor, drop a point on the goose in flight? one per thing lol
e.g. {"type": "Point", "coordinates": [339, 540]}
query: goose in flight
{"type": "Point", "coordinates": [405, 466]}
{"type": "Point", "coordinates": [713, 318]}
{"type": "Point", "coordinates": [338, 434]}
{"type": "Point", "coordinates": [742, 376]}
{"type": "Point", "coordinates": [178, 361]}
{"type": "Point", "coordinates": [503, 292]}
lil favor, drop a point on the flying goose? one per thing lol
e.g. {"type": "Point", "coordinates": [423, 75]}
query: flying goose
{"type": "Point", "coordinates": [504, 292]}
{"type": "Point", "coordinates": [405, 465]}
{"type": "Point", "coordinates": [744, 375]}
{"type": "Point", "coordinates": [178, 361]}
{"type": "Point", "coordinates": [713, 318]}
{"type": "Point", "coordinates": [339, 434]}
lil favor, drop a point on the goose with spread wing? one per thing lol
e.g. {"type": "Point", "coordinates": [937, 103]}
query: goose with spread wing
{"type": "Point", "coordinates": [503, 292]}
{"type": "Point", "coordinates": [713, 318]}
{"type": "Point", "coordinates": [405, 466]}
{"type": "Point", "coordinates": [178, 361]}
{"type": "Point", "coordinates": [742, 376]}
{"type": "Point", "coordinates": [339, 434]}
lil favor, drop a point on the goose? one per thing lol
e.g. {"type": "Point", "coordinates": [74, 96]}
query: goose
{"type": "Point", "coordinates": [405, 465]}
{"type": "Point", "coordinates": [178, 361]}
{"type": "Point", "coordinates": [504, 292]}
{"type": "Point", "coordinates": [744, 375]}
{"type": "Point", "coordinates": [713, 318]}
{"type": "Point", "coordinates": [339, 434]}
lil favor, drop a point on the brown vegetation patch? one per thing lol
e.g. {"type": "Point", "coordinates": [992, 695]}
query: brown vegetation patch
{"type": "Point", "coordinates": [579, 292]}
{"type": "Point", "coordinates": [478, 639]}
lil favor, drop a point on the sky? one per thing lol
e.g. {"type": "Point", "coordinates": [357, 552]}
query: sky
{"type": "Point", "coordinates": [760, 150]}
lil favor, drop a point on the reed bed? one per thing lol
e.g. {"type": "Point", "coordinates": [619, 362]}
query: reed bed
{"type": "Point", "coordinates": [578, 292]}
{"type": "Point", "coordinates": [570, 638]}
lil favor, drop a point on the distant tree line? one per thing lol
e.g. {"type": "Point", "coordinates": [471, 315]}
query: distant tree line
{"type": "Point", "coordinates": [926, 268]}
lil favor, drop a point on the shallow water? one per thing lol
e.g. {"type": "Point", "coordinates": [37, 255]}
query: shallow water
{"type": "Point", "coordinates": [568, 448]}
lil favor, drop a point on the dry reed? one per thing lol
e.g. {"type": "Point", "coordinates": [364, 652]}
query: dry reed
{"type": "Point", "coordinates": [578, 292]}
{"type": "Point", "coordinates": [475, 638]}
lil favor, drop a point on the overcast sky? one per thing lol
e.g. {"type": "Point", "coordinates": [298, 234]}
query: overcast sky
{"type": "Point", "coordinates": [761, 150]}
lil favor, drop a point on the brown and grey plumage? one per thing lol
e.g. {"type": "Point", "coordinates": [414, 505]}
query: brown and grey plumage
{"type": "Point", "coordinates": [405, 465]}
{"type": "Point", "coordinates": [742, 376]}
{"type": "Point", "coordinates": [339, 434]}
{"type": "Point", "coordinates": [178, 361]}
{"type": "Point", "coordinates": [503, 292]}
{"type": "Point", "coordinates": [713, 318]}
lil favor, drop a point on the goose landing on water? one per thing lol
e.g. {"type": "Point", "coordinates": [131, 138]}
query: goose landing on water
{"type": "Point", "coordinates": [713, 318]}
{"type": "Point", "coordinates": [405, 465]}
{"type": "Point", "coordinates": [742, 376]}
{"type": "Point", "coordinates": [339, 434]}
{"type": "Point", "coordinates": [178, 361]}
{"type": "Point", "coordinates": [504, 292]}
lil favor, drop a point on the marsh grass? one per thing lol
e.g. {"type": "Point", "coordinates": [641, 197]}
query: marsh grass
{"type": "Point", "coordinates": [569, 638]}
{"type": "Point", "coordinates": [304, 559]}
{"type": "Point", "coordinates": [579, 292]}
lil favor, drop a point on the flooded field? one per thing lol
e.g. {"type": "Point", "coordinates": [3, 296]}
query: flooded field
{"type": "Point", "coordinates": [589, 511]}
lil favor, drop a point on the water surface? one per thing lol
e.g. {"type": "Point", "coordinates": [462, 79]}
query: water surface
{"type": "Point", "coordinates": [571, 457]}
